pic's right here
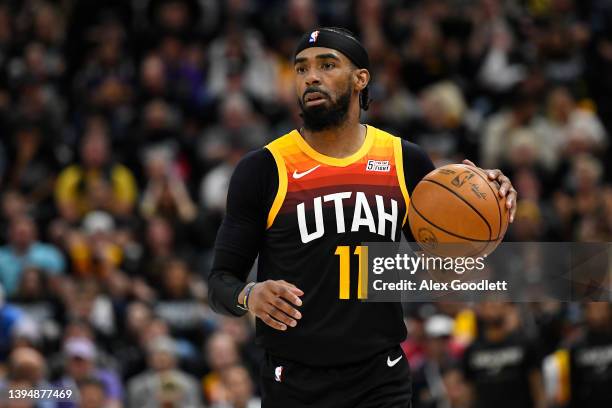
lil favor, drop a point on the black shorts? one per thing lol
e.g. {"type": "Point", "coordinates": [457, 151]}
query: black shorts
{"type": "Point", "coordinates": [382, 381]}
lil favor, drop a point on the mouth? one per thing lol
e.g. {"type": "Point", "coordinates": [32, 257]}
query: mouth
{"type": "Point", "coordinates": [314, 98]}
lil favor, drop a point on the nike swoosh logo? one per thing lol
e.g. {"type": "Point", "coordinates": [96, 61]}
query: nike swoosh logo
{"type": "Point", "coordinates": [391, 363]}
{"type": "Point", "coordinates": [297, 175]}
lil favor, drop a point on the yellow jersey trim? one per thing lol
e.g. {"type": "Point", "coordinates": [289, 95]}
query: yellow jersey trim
{"type": "Point", "coordinates": [562, 358]}
{"type": "Point", "coordinates": [399, 170]}
{"type": "Point", "coordinates": [282, 185]}
{"type": "Point", "coordinates": [335, 161]}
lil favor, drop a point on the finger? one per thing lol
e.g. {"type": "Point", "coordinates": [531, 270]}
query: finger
{"type": "Point", "coordinates": [267, 319]}
{"type": "Point", "coordinates": [511, 203]}
{"type": "Point", "coordinates": [290, 296]}
{"type": "Point", "coordinates": [469, 162]}
{"type": "Point", "coordinates": [285, 307]}
{"type": "Point", "coordinates": [506, 185]}
{"type": "Point", "coordinates": [282, 317]}
{"type": "Point", "coordinates": [494, 174]}
{"type": "Point", "coordinates": [293, 288]}
{"type": "Point", "coordinates": [289, 293]}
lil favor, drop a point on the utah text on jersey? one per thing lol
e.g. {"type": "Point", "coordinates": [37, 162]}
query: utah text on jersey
{"type": "Point", "coordinates": [362, 193]}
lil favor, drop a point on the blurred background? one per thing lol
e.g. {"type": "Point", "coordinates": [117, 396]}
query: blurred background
{"type": "Point", "coordinates": [121, 122]}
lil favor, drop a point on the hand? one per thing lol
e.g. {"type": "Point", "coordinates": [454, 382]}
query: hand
{"type": "Point", "coordinates": [272, 301]}
{"type": "Point", "coordinates": [505, 189]}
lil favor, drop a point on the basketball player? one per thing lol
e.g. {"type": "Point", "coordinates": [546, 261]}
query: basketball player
{"type": "Point", "coordinates": [302, 203]}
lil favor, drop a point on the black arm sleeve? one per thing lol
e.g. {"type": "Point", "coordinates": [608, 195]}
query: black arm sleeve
{"type": "Point", "coordinates": [417, 165]}
{"type": "Point", "coordinates": [250, 195]}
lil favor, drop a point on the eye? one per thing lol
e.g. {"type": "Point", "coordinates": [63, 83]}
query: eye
{"type": "Point", "coordinates": [300, 70]}
{"type": "Point", "coordinates": [328, 65]}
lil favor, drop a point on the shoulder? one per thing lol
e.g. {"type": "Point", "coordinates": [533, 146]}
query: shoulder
{"type": "Point", "coordinates": [414, 152]}
{"type": "Point", "coordinates": [281, 147]}
{"type": "Point", "coordinates": [254, 179]}
{"type": "Point", "coordinates": [72, 172]}
{"type": "Point", "coordinates": [255, 162]}
{"type": "Point", "coordinates": [120, 171]}
{"type": "Point", "coordinates": [46, 251]}
{"type": "Point", "coordinates": [40, 248]}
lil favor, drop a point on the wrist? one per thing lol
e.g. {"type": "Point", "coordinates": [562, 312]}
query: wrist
{"type": "Point", "coordinates": [243, 297]}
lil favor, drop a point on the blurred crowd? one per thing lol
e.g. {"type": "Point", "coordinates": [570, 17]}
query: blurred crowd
{"type": "Point", "coordinates": [121, 122]}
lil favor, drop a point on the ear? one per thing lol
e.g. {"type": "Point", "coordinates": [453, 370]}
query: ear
{"type": "Point", "coordinates": [361, 79]}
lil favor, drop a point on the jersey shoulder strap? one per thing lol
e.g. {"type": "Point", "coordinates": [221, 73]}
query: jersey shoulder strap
{"type": "Point", "coordinates": [387, 138]}
{"type": "Point", "coordinates": [279, 148]}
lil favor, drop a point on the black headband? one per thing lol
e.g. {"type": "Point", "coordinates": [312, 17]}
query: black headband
{"type": "Point", "coordinates": [336, 40]}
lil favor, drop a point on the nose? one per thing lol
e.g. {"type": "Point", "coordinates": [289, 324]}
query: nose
{"type": "Point", "coordinates": [312, 78]}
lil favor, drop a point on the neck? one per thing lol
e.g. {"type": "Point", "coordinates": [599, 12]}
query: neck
{"type": "Point", "coordinates": [21, 248]}
{"type": "Point", "coordinates": [341, 141]}
{"type": "Point", "coordinates": [495, 334]}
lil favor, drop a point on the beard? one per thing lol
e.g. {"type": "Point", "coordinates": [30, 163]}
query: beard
{"type": "Point", "coordinates": [322, 117]}
{"type": "Point", "coordinates": [494, 322]}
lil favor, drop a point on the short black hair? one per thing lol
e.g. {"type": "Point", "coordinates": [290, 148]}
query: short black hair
{"type": "Point", "coordinates": [364, 95]}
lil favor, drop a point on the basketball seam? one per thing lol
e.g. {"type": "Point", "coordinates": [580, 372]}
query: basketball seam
{"type": "Point", "coordinates": [462, 199]}
{"type": "Point", "coordinates": [498, 209]}
{"type": "Point", "coordinates": [448, 232]}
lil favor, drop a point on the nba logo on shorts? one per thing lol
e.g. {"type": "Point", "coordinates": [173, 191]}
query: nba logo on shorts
{"type": "Point", "coordinates": [313, 36]}
{"type": "Point", "coordinates": [278, 373]}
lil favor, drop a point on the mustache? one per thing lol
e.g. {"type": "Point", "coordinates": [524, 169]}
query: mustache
{"type": "Point", "coordinates": [312, 89]}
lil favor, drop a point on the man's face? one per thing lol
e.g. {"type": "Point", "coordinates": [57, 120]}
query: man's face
{"type": "Point", "coordinates": [94, 150]}
{"type": "Point", "coordinates": [492, 313]}
{"type": "Point", "coordinates": [23, 232]}
{"type": "Point", "coordinates": [79, 367]}
{"type": "Point", "coordinates": [324, 87]}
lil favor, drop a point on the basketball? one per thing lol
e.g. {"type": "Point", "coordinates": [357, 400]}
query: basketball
{"type": "Point", "coordinates": [457, 211]}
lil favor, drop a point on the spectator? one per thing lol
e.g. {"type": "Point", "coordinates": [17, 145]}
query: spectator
{"type": "Point", "coordinates": [165, 195]}
{"type": "Point", "coordinates": [86, 302]}
{"type": "Point", "coordinates": [163, 384]}
{"type": "Point", "coordinates": [95, 183]}
{"type": "Point", "coordinates": [24, 250]}
{"type": "Point", "coordinates": [213, 190]}
{"type": "Point", "coordinates": [26, 371]}
{"type": "Point", "coordinates": [161, 246]}
{"type": "Point", "coordinates": [92, 394]}
{"type": "Point", "coordinates": [128, 347]}
{"type": "Point", "coordinates": [428, 381]}
{"type": "Point", "coordinates": [10, 316]}
{"type": "Point", "coordinates": [34, 164]}
{"type": "Point", "coordinates": [457, 392]}
{"type": "Point", "coordinates": [221, 353]}
{"type": "Point", "coordinates": [423, 60]}
{"type": "Point", "coordinates": [579, 375]}
{"type": "Point", "coordinates": [27, 364]}
{"type": "Point", "coordinates": [239, 388]}
{"type": "Point", "coordinates": [93, 250]}
{"type": "Point", "coordinates": [80, 364]}
{"type": "Point", "coordinates": [14, 205]}
{"type": "Point", "coordinates": [39, 300]}
{"type": "Point", "coordinates": [180, 302]}
{"type": "Point", "coordinates": [441, 128]}
{"type": "Point", "coordinates": [238, 124]}
{"type": "Point", "coordinates": [239, 63]}
{"type": "Point", "coordinates": [501, 130]}
{"type": "Point", "coordinates": [501, 367]}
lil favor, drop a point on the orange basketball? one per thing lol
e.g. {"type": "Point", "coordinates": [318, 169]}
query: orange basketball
{"type": "Point", "coordinates": [457, 205]}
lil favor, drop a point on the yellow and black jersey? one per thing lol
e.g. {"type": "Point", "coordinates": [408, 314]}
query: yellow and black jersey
{"type": "Point", "coordinates": [306, 214]}
{"type": "Point", "coordinates": [580, 376]}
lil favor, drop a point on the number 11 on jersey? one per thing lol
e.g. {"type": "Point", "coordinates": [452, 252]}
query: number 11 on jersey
{"type": "Point", "coordinates": [344, 252]}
